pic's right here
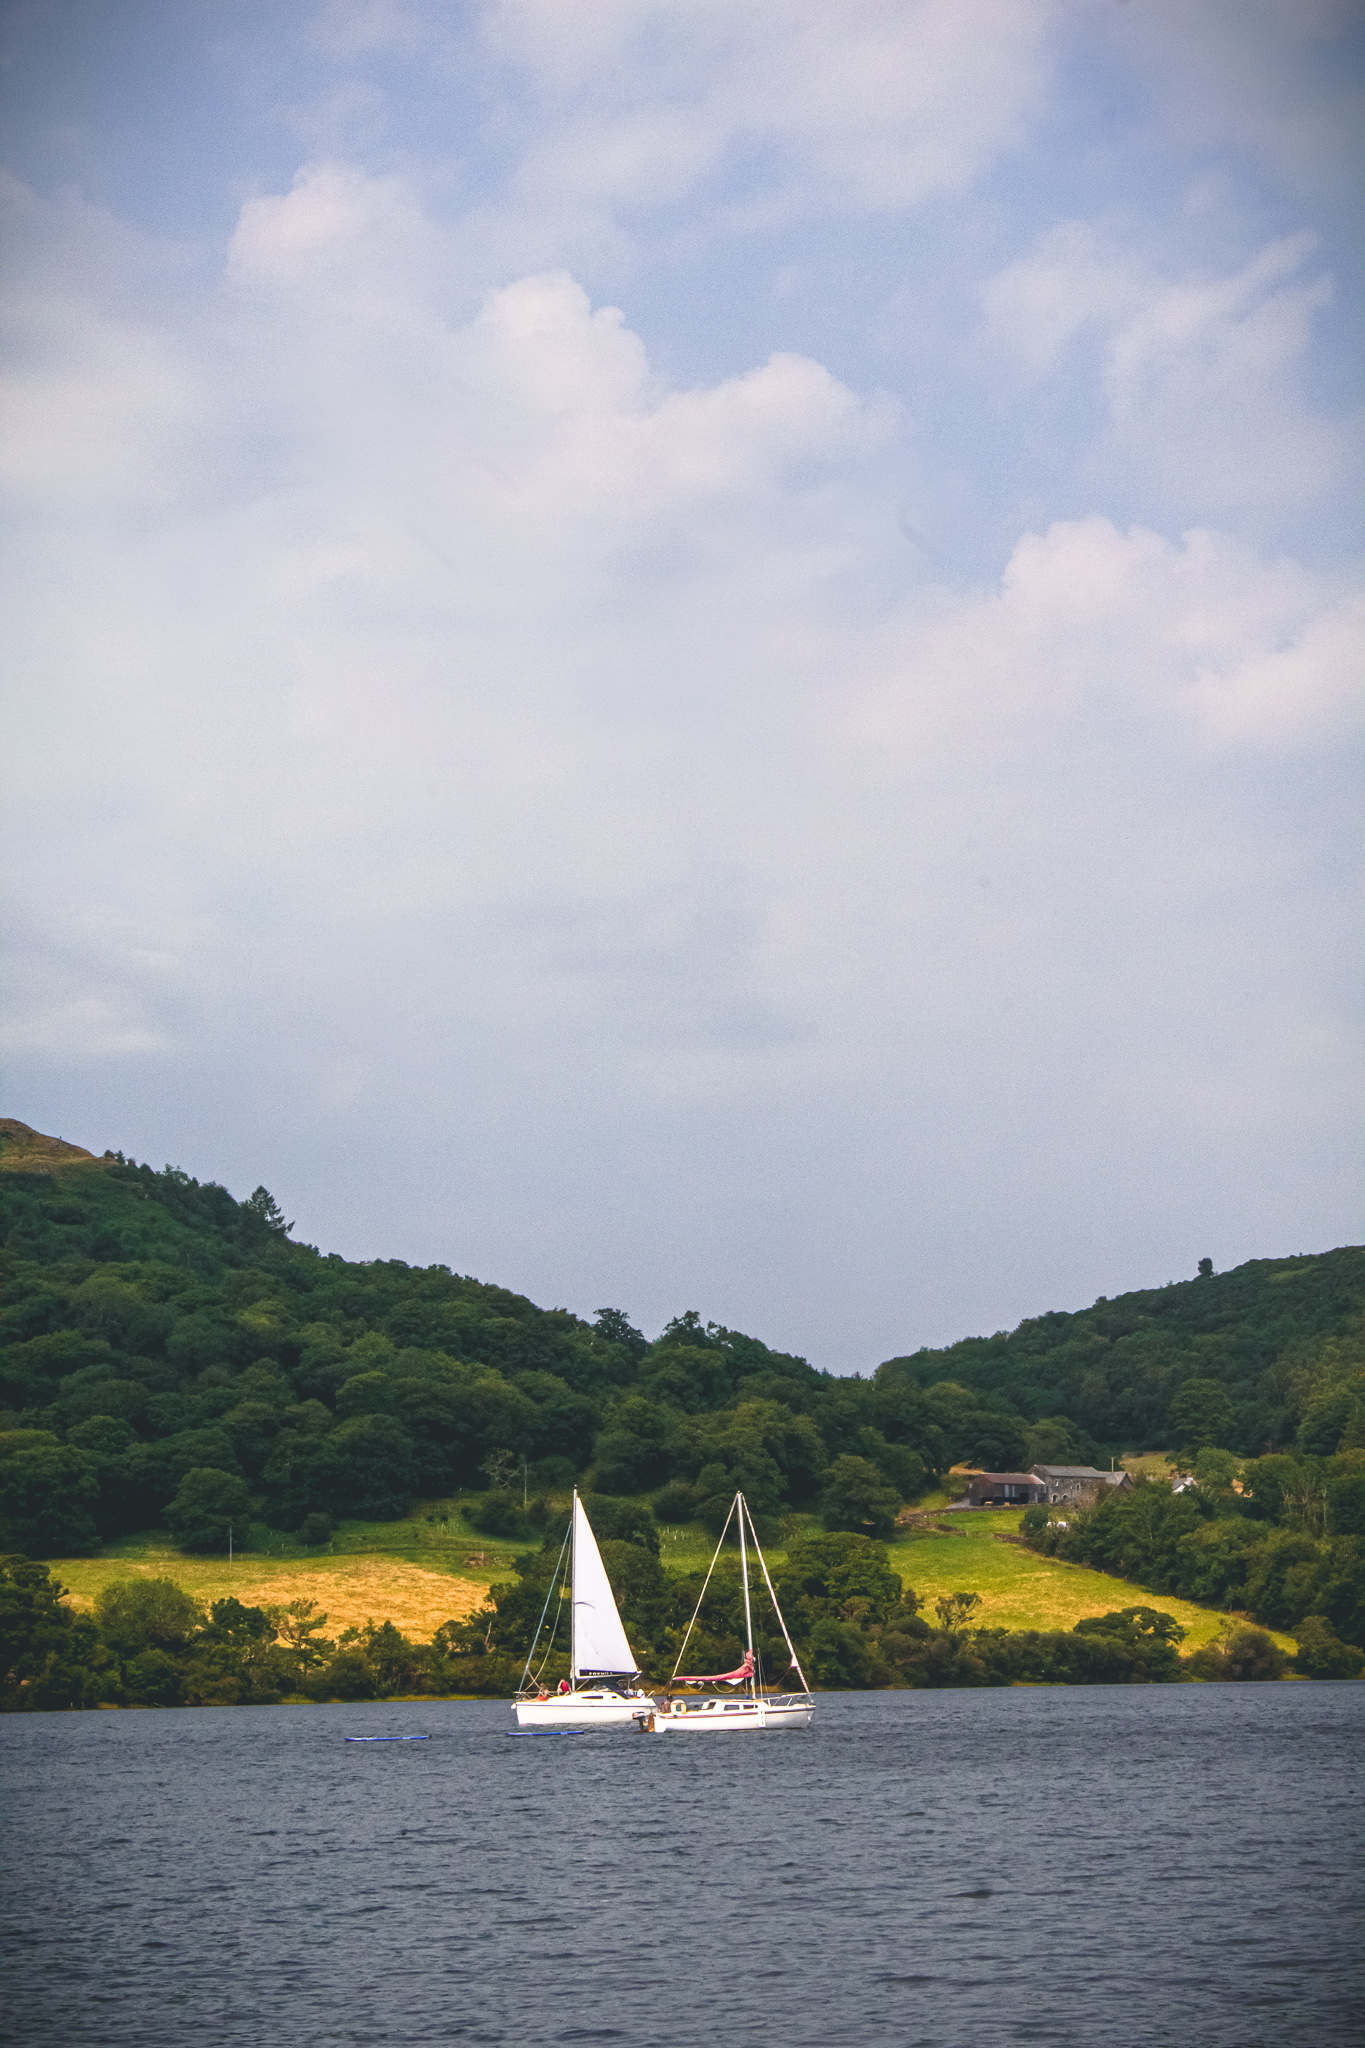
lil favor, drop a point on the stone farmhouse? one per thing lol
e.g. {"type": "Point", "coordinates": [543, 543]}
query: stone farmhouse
{"type": "Point", "coordinates": [1075, 1485]}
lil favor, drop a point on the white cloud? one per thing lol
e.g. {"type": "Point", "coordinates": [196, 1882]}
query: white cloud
{"type": "Point", "coordinates": [876, 104]}
{"type": "Point", "coordinates": [523, 750]}
{"type": "Point", "coordinates": [1201, 378]}
{"type": "Point", "coordinates": [1205, 641]}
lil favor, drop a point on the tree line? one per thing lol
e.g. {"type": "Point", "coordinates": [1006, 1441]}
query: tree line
{"type": "Point", "coordinates": [170, 1356]}
{"type": "Point", "coordinates": [148, 1643]}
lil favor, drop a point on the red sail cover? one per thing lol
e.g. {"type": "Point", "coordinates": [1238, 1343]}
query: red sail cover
{"type": "Point", "coordinates": [746, 1670]}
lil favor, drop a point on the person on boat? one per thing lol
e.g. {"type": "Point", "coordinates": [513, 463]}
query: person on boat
{"type": "Point", "coordinates": [564, 1685]}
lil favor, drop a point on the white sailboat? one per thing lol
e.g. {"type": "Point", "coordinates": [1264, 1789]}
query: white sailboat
{"type": "Point", "coordinates": [748, 1707]}
{"type": "Point", "coordinates": [598, 1692]}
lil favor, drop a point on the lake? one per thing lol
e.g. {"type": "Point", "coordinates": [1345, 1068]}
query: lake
{"type": "Point", "coordinates": [1089, 1865]}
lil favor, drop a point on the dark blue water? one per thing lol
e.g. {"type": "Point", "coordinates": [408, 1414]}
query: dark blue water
{"type": "Point", "coordinates": [1098, 1865]}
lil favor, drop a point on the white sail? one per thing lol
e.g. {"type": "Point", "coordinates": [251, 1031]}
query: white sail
{"type": "Point", "coordinates": [600, 1649]}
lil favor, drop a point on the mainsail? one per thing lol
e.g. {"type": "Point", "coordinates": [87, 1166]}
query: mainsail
{"type": "Point", "coordinates": [600, 1649]}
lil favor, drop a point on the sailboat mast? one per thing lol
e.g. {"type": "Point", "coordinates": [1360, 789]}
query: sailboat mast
{"type": "Point", "coordinates": [743, 1507]}
{"type": "Point", "coordinates": [573, 1604]}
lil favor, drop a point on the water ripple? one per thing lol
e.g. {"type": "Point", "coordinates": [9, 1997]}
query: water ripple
{"type": "Point", "coordinates": [1089, 1868]}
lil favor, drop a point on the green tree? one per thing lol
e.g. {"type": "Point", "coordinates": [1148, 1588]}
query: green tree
{"type": "Point", "coordinates": [153, 1679]}
{"type": "Point", "coordinates": [857, 1499]}
{"type": "Point", "coordinates": [622, 1521]}
{"type": "Point", "coordinates": [994, 1443]}
{"type": "Point", "coordinates": [299, 1628]}
{"type": "Point", "coordinates": [1133, 1623]}
{"type": "Point", "coordinates": [347, 1676]}
{"type": "Point", "coordinates": [955, 1610]}
{"type": "Point", "coordinates": [839, 1577]}
{"type": "Point", "coordinates": [677, 1502]}
{"type": "Point", "coordinates": [379, 1468]}
{"type": "Point", "coordinates": [108, 1442]}
{"type": "Point", "coordinates": [50, 1657]}
{"type": "Point", "coordinates": [209, 1506]}
{"type": "Point", "coordinates": [1346, 1502]}
{"type": "Point", "coordinates": [1322, 1654]}
{"type": "Point", "coordinates": [232, 1660]}
{"type": "Point", "coordinates": [1265, 1484]}
{"type": "Point", "coordinates": [1201, 1415]}
{"type": "Point", "coordinates": [1325, 1422]}
{"type": "Point", "coordinates": [47, 1495]}
{"type": "Point", "coordinates": [399, 1666]}
{"type": "Point", "coordinates": [1242, 1654]}
{"type": "Point", "coordinates": [616, 1327]}
{"type": "Point", "coordinates": [252, 1427]}
{"type": "Point", "coordinates": [146, 1614]}
{"type": "Point", "coordinates": [498, 1514]}
{"type": "Point", "coordinates": [304, 1476]}
{"type": "Point", "coordinates": [261, 1206]}
{"type": "Point", "coordinates": [840, 1656]}
{"type": "Point", "coordinates": [634, 1449]}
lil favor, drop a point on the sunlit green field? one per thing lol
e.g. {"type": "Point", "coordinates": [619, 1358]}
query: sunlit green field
{"type": "Point", "coordinates": [1020, 1589]}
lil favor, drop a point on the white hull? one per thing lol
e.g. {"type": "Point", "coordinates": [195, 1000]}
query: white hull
{"type": "Point", "coordinates": [796, 1712]}
{"type": "Point", "coordinates": [728, 1717]}
{"type": "Point", "coordinates": [595, 1709]}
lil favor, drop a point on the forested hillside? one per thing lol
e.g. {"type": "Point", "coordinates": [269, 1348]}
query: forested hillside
{"type": "Point", "coordinates": [168, 1352]}
{"type": "Point", "coordinates": [1251, 1360]}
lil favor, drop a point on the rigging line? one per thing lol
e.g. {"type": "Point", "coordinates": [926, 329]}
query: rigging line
{"type": "Point", "coordinates": [554, 1631]}
{"type": "Point", "coordinates": [546, 1608]}
{"type": "Point", "coordinates": [805, 1683]}
{"type": "Point", "coordinates": [702, 1595]}
{"type": "Point", "coordinates": [743, 1507]}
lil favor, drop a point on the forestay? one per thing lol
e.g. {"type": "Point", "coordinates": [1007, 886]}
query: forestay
{"type": "Point", "coordinates": [600, 1649]}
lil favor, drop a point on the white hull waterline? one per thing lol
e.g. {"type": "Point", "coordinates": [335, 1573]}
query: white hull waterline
{"type": "Point", "coordinates": [714, 1716]}
{"type": "Point", "coordinates": [597, 1709]}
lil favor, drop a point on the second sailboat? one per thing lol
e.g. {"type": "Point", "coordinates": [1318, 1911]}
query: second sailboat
{"type": "Point", "coordinates": [748, 1706]}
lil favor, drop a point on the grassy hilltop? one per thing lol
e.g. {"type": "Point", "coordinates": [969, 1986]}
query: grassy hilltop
{"type": "Point", "coordinates": [175, 1369]}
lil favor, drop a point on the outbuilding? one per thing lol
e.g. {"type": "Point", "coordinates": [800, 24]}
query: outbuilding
{"type": "Point", "coordinates": [1004, 1489]}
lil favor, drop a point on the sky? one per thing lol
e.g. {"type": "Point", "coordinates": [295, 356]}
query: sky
{"type": "Point", "coordinates": [689, 655]}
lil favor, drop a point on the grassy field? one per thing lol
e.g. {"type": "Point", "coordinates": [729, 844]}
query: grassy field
{"type": "Point", "coordinates": [415, 1573]}
{"type": "Point", "coordinates": [1149, 1465]}
{"type": "Point", "coordinates": [350, 1590]}
{"type": "Point", "coordinates": [420, 1572]}
{"type": "Point", "coordinates": [1020, 1589]}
